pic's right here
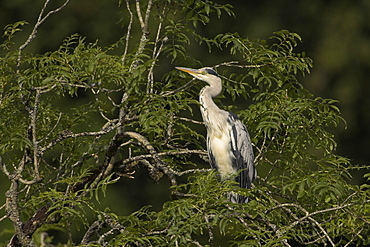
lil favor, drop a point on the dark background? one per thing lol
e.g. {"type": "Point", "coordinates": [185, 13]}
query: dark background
{"type": "Point", "coordinates": [336, 35]}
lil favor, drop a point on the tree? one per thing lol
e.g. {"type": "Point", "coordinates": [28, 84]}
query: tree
{"type": "Point", "coordinates": [130, 109]}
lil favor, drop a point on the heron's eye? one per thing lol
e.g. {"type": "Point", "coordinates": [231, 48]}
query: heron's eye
{"type": "Point", "coordinates": [211, 72]}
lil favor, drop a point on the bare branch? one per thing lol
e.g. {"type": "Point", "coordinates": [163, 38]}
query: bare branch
{"type": "Point", "coordinates": [147, 15]}
{"type": "Point", "coordinates": [239, 65]}
{"type": "Point", "coordinates": [113, 224]}
{"type": "Point", "coordinates": [353, 238]}
{"type": "Point", "coordinates": [20, 238]}
{"type": "Point", "coordinates": [122, 112]}
{"type": "Point", "coordinates": [210, 233]}
{"type": "Point", "coordinates": [139, 16]}
{"type": "Point", "coordinates": [128, 33]}
{"type": "Point", "coordinates": [189, 120]}
{"type": "Point", "coordinates": [94, 228]}
{"type": "Point", "coordinates": [180, 89]}
{"type": "Point", "coordinates": [4, 169]}
{"type": "Point", "coordinates": [193, 171]}
{"type": "Point", "coordinates": [69, 134]}
{"type": "Point", "coordinates": [34, 135]}
{"type": "Point", "coordinates": [159, 163]}
{"type": "Point", "coordinates": [156, 52]}
{"type": "Point", "coordinates": [145, 31]}
{"type": "Point", "coordinates": [156, 232]}
{"type": "Point", "coordinates": [52, 129]}
{"type": "Point", "coordinates": [39, 21]}
{"type": "Point", "coordinates": [194, 242]}
{"type": "Point", "coordinates": [4, 217]}
{"type": "Point", "coordinates": [309, 216]}
{"type": "Point", "coordinates": [242, 220]}
{"type": "Point", "coordinates": [316, 212]}
{"type": "Point", "coordinates": [169, 153]}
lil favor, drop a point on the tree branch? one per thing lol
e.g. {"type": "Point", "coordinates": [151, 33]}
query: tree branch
{"type": "Point", "coordinates": [189, 120]}
{"type": "Point", "coordinates": [139, 16]}
{"type": "Point", "coordinates": [239, 65]}
{"type": "Point", "coordinates": [180, 89]}
{"type": "Point", "coordinates": [150, 149]}
{"type": "Point", "coordinates": [147, 15]}
{"type": "Point", "coordinates": [128, 33]}
{"type": "Point", "coordinates": [39, 21]}
{"type": "Point", "coordinates": [20, 238]}
{"type": "Point", "coordinates": [33, 126]}
{"type": "Point", "coordinates": [308, 216]}
{"type": "Point", "coordinates": [68, 134]}
{"type": "Point", "coordinates": [169, 153]}
{"type": "Point", "coordinates": [94, 228]}
{"type": "Point", "coordinates": [144, 23]}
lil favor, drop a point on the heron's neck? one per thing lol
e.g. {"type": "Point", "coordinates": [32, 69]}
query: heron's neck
{"type": "Point", "coordinates": [206, 95]}
{"type": "Point", "coordinates": [210, 111]}
{"type": "Point", "coordinates": [214, 89]}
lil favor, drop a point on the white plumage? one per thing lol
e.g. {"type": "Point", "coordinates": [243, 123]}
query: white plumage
{"type": "Point", "coordinates": [221, 150]}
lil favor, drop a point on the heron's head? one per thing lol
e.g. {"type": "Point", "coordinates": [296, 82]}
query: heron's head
{"type": "Point", "coordinates": [204, 74]}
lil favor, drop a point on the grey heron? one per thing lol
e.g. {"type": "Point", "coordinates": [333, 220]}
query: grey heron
{"type": "Point", "coordinates": [228, 143]}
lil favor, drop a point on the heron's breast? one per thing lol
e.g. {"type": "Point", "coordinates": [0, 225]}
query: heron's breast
{"type": "Point", "coordinates": [221, 150]}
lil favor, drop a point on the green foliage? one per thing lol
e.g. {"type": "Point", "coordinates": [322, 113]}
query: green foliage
{"type": "Point", "coordinates": [76, 120]}
{"type": "Point", "coordinates": [9, 33]}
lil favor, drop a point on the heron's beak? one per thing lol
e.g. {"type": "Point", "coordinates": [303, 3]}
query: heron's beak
{"type": "Point", "coordinates": [190, 71]}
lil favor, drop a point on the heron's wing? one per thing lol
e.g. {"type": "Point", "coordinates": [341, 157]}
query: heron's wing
{"type": "Point", "coordinates": [212, 160]}
{"type": "Point", "coordinates": [241, 147]}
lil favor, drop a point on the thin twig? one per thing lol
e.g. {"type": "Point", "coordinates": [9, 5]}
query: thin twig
{"type": "Point", "coordinates": [160, 164]}
{"type": "Point", "coordinates": [316, 212]}
{"type": "Point", "coordinates": [180, 89]}
{"type": "Point", "coordinates": [69, 134]}
{"type": "Point", "coordinates": [194, 242]}
{"type": "Point", "coordinates": [245, 224]}
{"type": "Point", "coordinates": [353, 238]}
{"type": "Point", "coordinates": [147, 15]}
{"type": "Point", "coordinates": [94, 228]}
{"type": "Point", "coordinates": [139, 16]}
{"type": "Point", "coordinates": [156, 53]}
{"type": "Point", "coordinates": [169, 153]}
{"type": "Point", "coordinates": [14, 215]}
{"type": "Point", "coordinates": [189, 120]}
{"type": "Point", "coordinates": [5, 216]}
{"type": "Point", "coordinates": [145, 32]}
{"type": "Point", "coordinates": [210, 233]}
{"type": "Point", "coordinates": [238, 65]}
{"type": "Point", "coordinates": [128, 33]}
{"type": "Point", "coordinates": [309, 216]}
{"type": "Point", "coordinates": [193, 171]}
{"type": "Point", "coordinates": [39, 21]}
{"type": "Point", "coordinates": [33, 116]}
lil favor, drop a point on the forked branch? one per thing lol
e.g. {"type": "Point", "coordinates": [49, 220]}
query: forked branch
{"type": "Point", "coordinates": [39, 21]}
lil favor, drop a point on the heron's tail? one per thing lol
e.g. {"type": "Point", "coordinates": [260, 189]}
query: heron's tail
{"type": "Point", "coordinates": [236, 198]}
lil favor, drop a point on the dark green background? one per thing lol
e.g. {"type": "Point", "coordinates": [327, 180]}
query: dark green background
{"type": "Point", "coordinates": [336, 35]}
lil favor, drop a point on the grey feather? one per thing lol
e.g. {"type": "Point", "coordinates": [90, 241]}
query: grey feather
{"type": "Point", "coordinates": [242, 151]}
